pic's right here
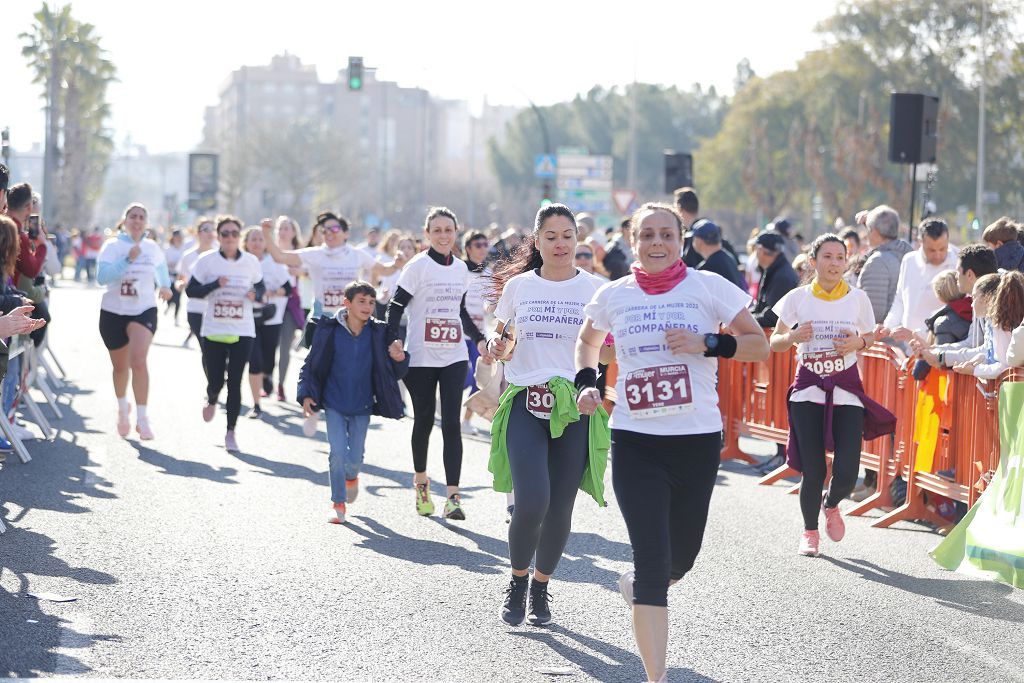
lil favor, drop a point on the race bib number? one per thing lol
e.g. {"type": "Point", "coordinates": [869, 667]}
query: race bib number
{"type": "Point", "coordinates": [658, 391]}
{"type": "Point", "coordinates": [442, 333]}
{"type": "Point", "coordinates": [823, 363]}
{"type": "Point", "coordinates": [229, 310]}
{"type": "Point", "coordinates": [333, 297]}
{"type": "Point", "coordinates": [540, 401]}
{"type": "Point", "coordinates": [128, 290]}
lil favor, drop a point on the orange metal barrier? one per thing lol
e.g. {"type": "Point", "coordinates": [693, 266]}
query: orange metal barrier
{"type": "Point", "coordinates": [752, 398]}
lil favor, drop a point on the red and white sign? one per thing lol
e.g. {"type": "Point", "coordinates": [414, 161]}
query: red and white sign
{"type": "Point", "coordinates": [623, 199]}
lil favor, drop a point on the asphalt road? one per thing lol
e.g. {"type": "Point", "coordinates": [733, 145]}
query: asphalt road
{"type": "Point", "coordinates": [190, 562]}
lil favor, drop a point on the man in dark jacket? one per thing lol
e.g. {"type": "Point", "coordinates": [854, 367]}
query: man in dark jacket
{"type": "Point", "coordinates": [707, 242]}
{"type": "Point", "coordinates": [619, 254]}
{"type": "Point", "coordinates": [777, 277]}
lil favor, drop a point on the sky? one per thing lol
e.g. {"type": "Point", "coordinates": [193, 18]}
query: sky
{"type": "Point", "coordinates": [173, 57]}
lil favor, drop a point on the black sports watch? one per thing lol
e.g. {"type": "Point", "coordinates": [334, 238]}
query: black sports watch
{"type": "Point", "coordinates": [711, 342]}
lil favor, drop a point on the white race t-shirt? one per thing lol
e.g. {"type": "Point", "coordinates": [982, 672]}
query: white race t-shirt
{"type": "Point", "coordinates": [274, 276]}
{"type": "Point", "coordinates": [435, 338]}
{"type": "Point", "coordinates": [331, 270]}
{"type": "Point", "coordinates": [829, 318]}
{"type": "Point", "coordinates": [188, 261]}
{"type": "Point", "coordinates": [135, 291]}
{"type": "Point", "coordinates": [660, 392]}
{"type": "Point", "coordinates": [228, 309]}
{"type": "Point", "coordinates": [475, 304]}
{"type": "Point", "coordinates": [546, 317]}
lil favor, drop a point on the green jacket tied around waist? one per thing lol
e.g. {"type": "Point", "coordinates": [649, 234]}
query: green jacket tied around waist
{"type": "Point", "coordinates": [563, 413]}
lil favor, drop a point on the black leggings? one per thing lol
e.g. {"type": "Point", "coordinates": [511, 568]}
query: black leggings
{"type": "Point", "coordinates": [422, 384]}
{"type": "Point", "coordinates": [663, 485]}
{"type": "Point", "coordinates": [264, 350]}
{"type": "Point", "coordinates": [546, 473]}
{"type": "Point", "coordinates": [808, 424]}
{"type": "Point", "coordinates": [218, 357]}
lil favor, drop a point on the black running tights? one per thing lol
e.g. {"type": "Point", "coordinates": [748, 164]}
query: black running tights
{"type": "Point", "coordinates": [218, 358]}
{"type": "Point", "coordinates": [663, 485]}
{"type": "Point", "coordinates": [423, 384]}
{"type": "Point", "coordinates": [808, 424]}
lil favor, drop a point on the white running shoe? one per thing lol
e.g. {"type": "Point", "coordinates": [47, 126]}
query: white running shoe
{"type": "Point", "coordinates": [626, 587]}
{"type": "Point", "coordinates": [468, 429]}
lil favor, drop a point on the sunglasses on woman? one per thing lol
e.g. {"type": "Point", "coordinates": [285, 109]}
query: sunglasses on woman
{"type": "Point", "coordinates": [230, 233]}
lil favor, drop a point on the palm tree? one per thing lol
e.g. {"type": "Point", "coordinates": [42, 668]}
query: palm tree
{"type": "Point", "coordinates": [66, 57]}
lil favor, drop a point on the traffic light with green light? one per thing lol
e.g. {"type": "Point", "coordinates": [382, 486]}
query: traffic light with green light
{"type": "Point", "coordinates": [355, 73]}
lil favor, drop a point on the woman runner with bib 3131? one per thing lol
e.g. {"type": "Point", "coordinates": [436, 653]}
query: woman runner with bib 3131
{"type": "Point", "coordinates": [432, 289]}
{"type": "Point", "coordinates": [131, 266]}
{"type": "Point", "coordinates": [230, 280]}
{"type": "Point", "coordinates": [666, 426]}
{"type": "Point", "coordinates": [539, 441]}
{"type": "Point", "coordinates": [830, 322]}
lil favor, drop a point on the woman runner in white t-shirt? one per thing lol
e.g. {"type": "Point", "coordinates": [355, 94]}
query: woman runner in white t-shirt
{"type": "Point", "coordinates": [268, 327]}
{"type": "Point", "coordinates": [666, 426]}
{"type": "Point", "coordinates": [432, 290]}
{"type": "Point", "coordinates": [830, 322]}
{"type": "Point", "coordinates": [132, 267]}
{"type": "Point", "coordinates": [540, 443]}
{"type": "Point", "coordinates": [230, 280]}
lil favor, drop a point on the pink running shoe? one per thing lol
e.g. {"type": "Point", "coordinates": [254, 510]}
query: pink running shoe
{"type": "Point", "coordinates": [144, 430]}
{"type": "Point", "coordinates": [229, 441]}
{"type": "Point", "coordinates": [124, 424]}
{"type": "Point", "coordinates": [835, 527]}
{"type": "Point", "coordinates": [809, 543]}
{"type": "Point", "coordinates": [209, 410]}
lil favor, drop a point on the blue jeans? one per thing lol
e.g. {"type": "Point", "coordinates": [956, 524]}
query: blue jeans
{"type": "Point", "coordinates": [10, 383]}
{"type": "Point", "coordinates": [346, 435]}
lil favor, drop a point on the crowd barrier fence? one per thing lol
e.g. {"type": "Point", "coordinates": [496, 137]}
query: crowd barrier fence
{"type": "Point", "coordinates": [961, 412]}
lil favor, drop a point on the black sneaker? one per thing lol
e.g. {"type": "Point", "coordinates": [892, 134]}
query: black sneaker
{"type": "Point", "coordinates": [510, 509]}
{"type": "Point", "coordinates": [513, 612]}
{"type": "Point", "coordinates": [540, 613]}
{"type": "Point", "coordinates": [255, 413]}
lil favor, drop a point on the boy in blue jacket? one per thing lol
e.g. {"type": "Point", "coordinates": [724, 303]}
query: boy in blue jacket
{"type": "Point", "coordinates": [352, 373]}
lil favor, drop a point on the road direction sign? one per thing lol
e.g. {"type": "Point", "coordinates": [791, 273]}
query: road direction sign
{"type": "Point", "coordinates": [623, 199]}
{"type": "Point", "coordinates": [544, 166]}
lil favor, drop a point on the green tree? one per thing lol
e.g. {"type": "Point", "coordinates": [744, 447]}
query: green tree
{"type": "Point", "coordinates": [66, 58]}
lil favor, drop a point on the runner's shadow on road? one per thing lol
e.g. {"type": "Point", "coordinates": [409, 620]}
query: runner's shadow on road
{"type": "Point", "coordinates": [577, 563]}
{"type": "Point", "coordinates": [285, 470]}
{"type": "Point", "coordinates": [624, 666]}
{"type": "Point", "coordinates": [184, 468]}
{"type": "Point", "coordinates": [417, 551]}
{"type": "Point", "coordinates": [404, 481]}
{"type": "Point", "coordinates": [981, 598]}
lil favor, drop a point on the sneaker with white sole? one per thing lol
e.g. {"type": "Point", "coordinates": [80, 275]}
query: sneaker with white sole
{"type": "Point", "coordinates": [230, 444]}
{"type": "Point", "coordinates": [468, 429]}
{"type": "Point", "coordinates": [337, 514]}
{"type": "Point", "coordinates": [809, 542]}
{"type": "Point", "coordinates": [144, 430]}
{"type": "Point", "coordinates": [626, 587]}
{"type": "Point", "coordinates": [835, 527]}
{"type": "Point", "coordinates": [124, 424]}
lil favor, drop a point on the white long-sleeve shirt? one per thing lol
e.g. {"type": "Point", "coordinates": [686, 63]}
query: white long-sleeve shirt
{"type": "Point", "coordinates": [1015, 350]}
{"type": "Point", "coordinates": [915, 299]}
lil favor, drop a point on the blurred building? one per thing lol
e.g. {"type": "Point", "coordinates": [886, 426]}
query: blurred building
{"type": "Point", "coordinates": [390, 150]}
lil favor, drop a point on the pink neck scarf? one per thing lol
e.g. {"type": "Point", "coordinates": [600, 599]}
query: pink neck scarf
{"type": "Point", "coordinates": [662, 282]}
